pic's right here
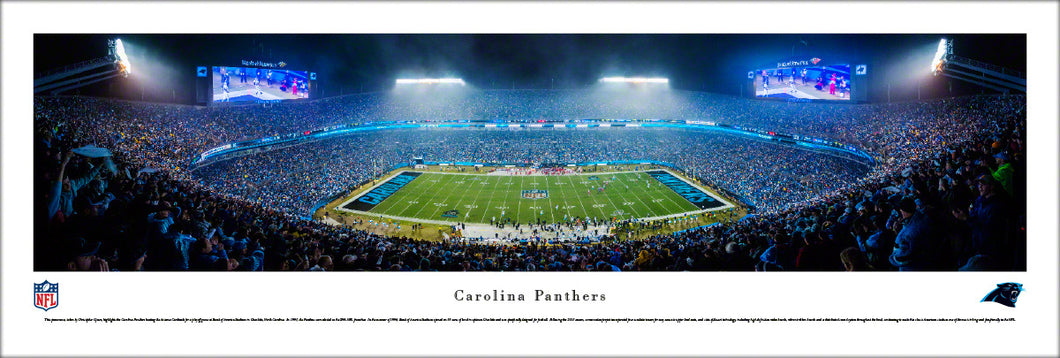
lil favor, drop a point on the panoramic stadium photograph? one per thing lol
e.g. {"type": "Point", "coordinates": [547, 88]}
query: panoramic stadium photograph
{"type": "Point", "coordinates": [529, 152]}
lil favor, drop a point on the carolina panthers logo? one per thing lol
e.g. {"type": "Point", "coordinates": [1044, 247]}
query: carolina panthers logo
{"type": "Point", "coordinates": [1005, 293]}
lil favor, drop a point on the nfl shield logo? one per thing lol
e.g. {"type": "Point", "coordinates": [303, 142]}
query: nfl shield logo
{"type": "Point", "coordinates": [535, 194]}
{"type": "Point", "coordinates": [45, 295]}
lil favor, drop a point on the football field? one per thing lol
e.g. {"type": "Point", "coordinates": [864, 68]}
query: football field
{"type": "Point", "coordinates": [480, 198]}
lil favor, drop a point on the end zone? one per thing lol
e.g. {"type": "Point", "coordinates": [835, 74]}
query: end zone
{"type": "Point", "coordinates": [375, 195]}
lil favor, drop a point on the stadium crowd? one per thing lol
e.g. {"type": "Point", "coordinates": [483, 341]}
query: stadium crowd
{"type": "Point", "coordinates": [293, 179]}
{"type": "Point", "coordinates": [942, 198]}
{"type": "Point", "coordinates": [165, 132]}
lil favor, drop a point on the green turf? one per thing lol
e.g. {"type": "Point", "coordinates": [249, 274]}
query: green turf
{"type": "Point", "coordinates": [478, 198]}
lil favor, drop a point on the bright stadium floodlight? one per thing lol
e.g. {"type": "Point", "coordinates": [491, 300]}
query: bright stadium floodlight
{"type": "Point", "coordinates": [123, 60]}
{"type": "Point", "coordinates": [940, 57]}
{"type": "Point", "coordinates": [421, 81]}
{"type": "Point", "coordinates": [634, 80]}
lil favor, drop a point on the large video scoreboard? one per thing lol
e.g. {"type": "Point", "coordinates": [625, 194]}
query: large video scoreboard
{"type": "Point", "coordinates": [811, 79]}
{"type": "Point", "coordinates": [251, 84]}
{"type": "Point", "coordinates": [254, 82]}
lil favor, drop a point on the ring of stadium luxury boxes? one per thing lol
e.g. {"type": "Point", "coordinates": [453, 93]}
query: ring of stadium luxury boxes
{"type": "Point", "coordinates": [730, 178]}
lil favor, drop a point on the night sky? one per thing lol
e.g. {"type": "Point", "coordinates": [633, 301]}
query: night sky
{"type": "Point", "coordinates": [355, 63]}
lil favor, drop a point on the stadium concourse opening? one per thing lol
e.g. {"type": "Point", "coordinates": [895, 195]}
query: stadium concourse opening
{"type": "Point", "coordinates": [508, 204]}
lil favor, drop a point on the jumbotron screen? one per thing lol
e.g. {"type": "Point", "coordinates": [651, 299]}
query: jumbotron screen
{"type": "Point", "coordinates": [250, 84]}
{"type": "Point", "coordinates": [831, 82]}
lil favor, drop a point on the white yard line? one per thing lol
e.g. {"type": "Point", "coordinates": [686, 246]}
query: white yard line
{"type": "Point", "coordinates": [548, 195]}
{"type": "Point", "coordinates": [668, 197]}
{"type": "Point", "coordinates": [467, 187]}
{"type": "Point", "coordinates": [637, 198]}
{"type": "Point", "coordinates": [445, 201]}
{"type": "Point", "coordinates": [418, 199]}
{"type": "Point", "coordinates": [600, 210]}
{"type": "Point", "coordinates": [608, 200]}
{"type": "Point", "coordinates": [726, 203]}
{"type": "Point", "coordinates": [550, 198]}
{"type": "Point", "coordinates": [566, 205]}
{"type": "Point", "coordinates": [726, 206]}
{"type": "Point", "coordinates": [488, 203]}
{"type": "Point", "coordinates": [658, 204]}
{"type": "Point", "coordinates": [421, 204]}
{"type": "Point", "coordinates": [511, 180]}
{"type": "Point", "coordinates": [518, 204]}
{"type": "Point", "coordinates": [578, 195]}
{"type": "Point", "coordinates": [390, 202]}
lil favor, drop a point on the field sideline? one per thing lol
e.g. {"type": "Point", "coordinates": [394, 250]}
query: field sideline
{"type": "Point", "coordinates": [446, 197]}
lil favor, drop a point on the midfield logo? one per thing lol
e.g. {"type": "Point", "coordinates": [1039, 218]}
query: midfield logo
{"type": "Point", "coordinates": [534, 194]}
{"type": "Point", "coordinates": [45, 295]}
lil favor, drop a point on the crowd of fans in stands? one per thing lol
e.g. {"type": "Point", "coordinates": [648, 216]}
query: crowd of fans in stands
{"type": "Point", "coordinates": [293, 179]}
{"type": "Point", "coordinates": [948, 193]}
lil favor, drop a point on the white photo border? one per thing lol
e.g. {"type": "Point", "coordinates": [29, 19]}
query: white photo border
{"type": "Point", "coordinates": [25, 330]}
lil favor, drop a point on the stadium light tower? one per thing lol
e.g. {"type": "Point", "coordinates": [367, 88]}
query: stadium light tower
{"type": "Point", "coordinates": [635, 80]}
{"type": "Point", "coordinates": [429, 81]}
{"type": "Point", "coordinates": [59, 80]}
{"type": "Point", "coordinates": [121, 59]}
{"type": "Point", "coordinates": [941, 54]}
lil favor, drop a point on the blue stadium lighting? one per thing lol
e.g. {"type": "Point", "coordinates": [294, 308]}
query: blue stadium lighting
{"type": "Point", "coordinates": [634, 80]}
{"type": "Point", "coordinates": [408, 81]}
